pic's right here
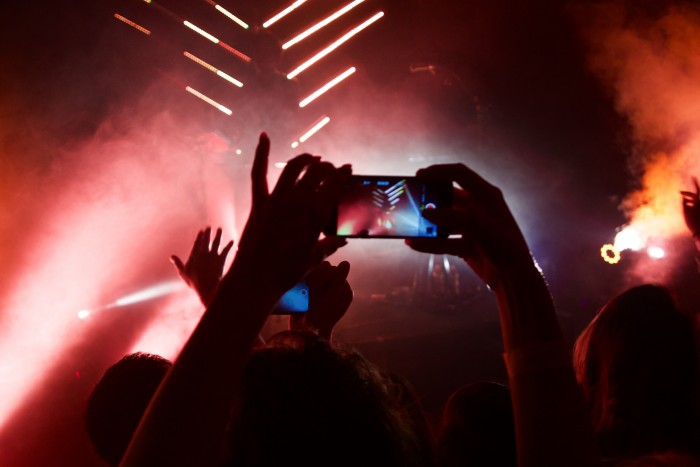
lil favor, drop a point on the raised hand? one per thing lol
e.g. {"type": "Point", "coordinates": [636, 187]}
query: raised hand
{"type": "Point", "coordinates": [284, 226]}
{"type": "Point", "coordinates": [330, 296]}
{"type": "Point", "coordinates": [491, 240]}
{"type": "Point", "coordinates": [205, 265]}
{"type": "Point", "coordinates": [691, 209]}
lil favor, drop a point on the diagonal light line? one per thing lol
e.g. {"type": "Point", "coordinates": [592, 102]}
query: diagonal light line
{"type": "Point", "coordinates": [321, 24]}
{"type": "Point", "coordinates": [338, 42]}
{"type": "Point", "coordinates": [283, 13]}
{"type": "Point", "coordinates": [320, 91]}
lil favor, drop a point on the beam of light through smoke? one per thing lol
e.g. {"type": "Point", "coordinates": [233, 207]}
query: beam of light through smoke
{"type": "Point", "coordinates": [324, 22]}
{"type": "Point", "coordinates": [213, 69]}
{"type": "Point", "coordinates": [334, 45]}
{"type": "Point", "coordinates": [216, 41]}
{"type": "Point", "coordinates": [228, 14]}
{"type": "Point", "coordinates": [323, 121]}
{"type": "Point", "coordinates": [209, 100]}
{"type": "Point", "coordinates": [283, 13]}
{"type": "Point", "coordinates": [320, 91]}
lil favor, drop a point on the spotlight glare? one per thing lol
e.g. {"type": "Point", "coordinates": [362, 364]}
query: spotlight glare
{"type": "Point", "coordinates": [320, 24]}
{"type": "Point", "coordinates": [610, 254]}
{"type": "Point", "coordinates": [330, 48]}
{"type": "Point", "coordinates": [282, 13]}
{"type": "Point", "coordinates": [132, 24]}
{"type": "Point", "coordinates": [83, 314]}
{"type": "Point", "coordinates": [201, 32]}
{"type": "Point", "coordinates": [326, 87]}
{"type": "Point", "coordinates": [209, 100]}
{"type": "Point", "coordinates": [149, 293]}
{"type": "Point", "coordinates": [656, 252]}
{"type": "Point", "coordinates": [295, 144]}
{"type": "Point", "coordinates": [628, 239]}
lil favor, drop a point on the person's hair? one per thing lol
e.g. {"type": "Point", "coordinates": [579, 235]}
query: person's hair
{"type": "Point", "coordinates": [307, 402]}
{"type": "Point", "coordinates": [637, 363]}
{"type": "Point", "coordinates": [116, 404]}
{"type": "Point", "coordinates": [477, 427]}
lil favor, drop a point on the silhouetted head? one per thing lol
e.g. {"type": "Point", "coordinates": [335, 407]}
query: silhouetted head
{"type": "Point", "coordinates": [118, 401]}
{"type": "Point", "coordinates": [477, 427]}
{"type": "Point", "coordinates": [637, 363]}
{"type": "Point", "coordinates": [305, 402]}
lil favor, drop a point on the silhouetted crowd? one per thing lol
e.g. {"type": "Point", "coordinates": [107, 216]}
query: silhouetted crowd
{"type": "Point", "coordinates": [627, 394]}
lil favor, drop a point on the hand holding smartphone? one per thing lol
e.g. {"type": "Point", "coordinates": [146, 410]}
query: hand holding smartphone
{"type": "Point", "coordinates": [389, 207]}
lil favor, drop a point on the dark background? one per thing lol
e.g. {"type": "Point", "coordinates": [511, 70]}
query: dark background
{"type": "Point", "coordinates": [502, 86]}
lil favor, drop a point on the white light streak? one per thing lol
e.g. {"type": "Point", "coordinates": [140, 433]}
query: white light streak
{"type": "Point", "coordinates": [338, 42]}
{"type": "Point", "coordinates": [282, 13]}
{"type": "Point", "coordinates": [326, 87]}
{"type": "Point", "coordinates": [320, 24]}
{"type": "Point", "coordinates": [83, 314]}
{"type": "Point", "coordinates": [149, 293]}
{"type": "Point", "coordinates": [230, 79]}
{"type": "Point", "coordinates": [231, 16]}
{"type": "Point", "coordinates": [317, 126]}
{"type": "Point", "coordinates": [202, 32]}
{"type": "Point", "coordinates": [209, 100]}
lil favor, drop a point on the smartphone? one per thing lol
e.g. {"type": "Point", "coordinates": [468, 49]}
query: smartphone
{"type": "Point", "coordinates": [294, 300]}
{"type": "Point", "coordinates": [375, 206]}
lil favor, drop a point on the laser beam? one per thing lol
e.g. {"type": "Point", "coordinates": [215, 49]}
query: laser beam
{"type": "Point", "coordinates": [228, 14]}
{"type": "Point", "coordinates": [209, 100]}
{"type": "Point", "coordinates": [324, 22]}
{"type": "Point", "coordinates": [337, 43]}
{"type": "Point", "coordinates": [320, 91]}
{"type": "Point", "coordinates": [132, 24]}
{"type": "Point", "coordinates": [312, 131]}
{"type": "Point", "coordinates": [213, 69]}
{"type": "Point", "coordinates": [283, 13]}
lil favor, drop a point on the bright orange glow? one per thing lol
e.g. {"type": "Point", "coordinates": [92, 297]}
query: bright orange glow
{"type": "Point", "coordinates": [338, 42]}
{"type": "Point", "coordinates": [132, 24]}
{"type": "Point", "coordinates": [326, 87]}
{"type": "Point", "coordinates": [201, 32]}
{"type": "Point", "coordinates": [610, 254]}
{"type": "Point", "coordinates": [235, 52]}
{"type": "Point", "coordinates": [209, 100]}
{"type": "Point", "coordinates": [283, 13]}
{"type": "Point", "coordinates": [300, 37]}
{"type": "Point", "coordinates": [628, 239]}
{"type": "Point", "coordinates": [199, 61]}
{"type": "Point", "coordinates": [213, 69]}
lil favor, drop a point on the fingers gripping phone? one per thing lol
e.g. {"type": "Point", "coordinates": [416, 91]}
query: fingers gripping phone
{"type": "Point", "coordinates": [389, 207]}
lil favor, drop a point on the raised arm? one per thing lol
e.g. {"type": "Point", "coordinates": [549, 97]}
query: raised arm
{"type": "Point", "coordinates": [186, 420]}
{"type": "Point", "coordinates": [552, 425]}
{"type": "Point", "coordinates": [691, 214]}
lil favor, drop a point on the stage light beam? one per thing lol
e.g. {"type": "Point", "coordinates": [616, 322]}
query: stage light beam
{"type": "Point", "coordinates": [132, 24]}
{"type": "Point", "coordinates": [317, 126]}
{"type": "Point", "coordinates": [213, 69]}
{"type": "Point", "coordinates": [209, 100]}
{"type": "Point", "coordinates": [283, 13]}
{"type": "Point", "coordinates": [216, 41]}
{"type": "Point", "coordinates": [228, 14]}
{"type": "Point", "coordinates": [334, 45]}
{"type": "Point", "coordinates": [320, 91]}
{"type": "Point", "coordinates": [324, 22]}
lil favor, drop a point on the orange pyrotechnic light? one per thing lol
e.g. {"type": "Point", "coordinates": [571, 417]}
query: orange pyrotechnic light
{"type": "Point", "coordinates": [209, 100]}
{"type": "Point", "coordinates": [300, 37]}
{"type": "Point", "coordinates": [213, 69]}
{"type": "Point", "coordinates": [311, 131]}
{"type": "Point", "coordinates": [283, 13]}
{"type": "Point", "coordinates": [337, 43]}
{"type": "Point", "coordinates": [326, 87]}
{"type": "Point", "coordinates": [132, 24]}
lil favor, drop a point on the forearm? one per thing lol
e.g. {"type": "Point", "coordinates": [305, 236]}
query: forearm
{"type": "Point", "coordinates": [185, 423]}
{"type": "Point", "coordinates": [552, 424]}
